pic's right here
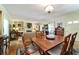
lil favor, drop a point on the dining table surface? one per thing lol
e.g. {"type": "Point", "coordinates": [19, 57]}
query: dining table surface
{"type": "Point", "coordinates": [47, 44]}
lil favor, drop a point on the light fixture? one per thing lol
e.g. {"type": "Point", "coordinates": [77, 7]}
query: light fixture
{"type": "Point", "coordinates": [17, 28]}
{"type": "Point", "coordinates": [70, 22]}
{"type": "Point", "coordinates": [13, 28]}
{"type": "Point", "coordinates": [49, 8]}
{"type": "Point", "coordinates": [75, 22]}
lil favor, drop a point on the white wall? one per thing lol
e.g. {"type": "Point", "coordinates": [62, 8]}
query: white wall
{"type": "Point", "coordinates": [70, 28]}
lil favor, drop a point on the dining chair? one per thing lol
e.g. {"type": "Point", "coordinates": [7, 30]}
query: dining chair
{"type": "Point", "coordinates": [26, 39]}
{"type": "Point", "coordinates": [71, 44]}
{"type": "Point", "coordinates": [60, 49]}
{"type": "Point", "coordinates": [28, 47]}
{"type": "Point", "coordinates": [39, 34]}
{"type": "Point", "coordinates": [1, 44]}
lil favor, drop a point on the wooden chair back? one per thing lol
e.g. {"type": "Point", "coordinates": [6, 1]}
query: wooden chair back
{"type": "Point", "coordinates": [65, 44]}
{"type": "Point", "coordinates": [39, 35]}
{"type": "Point", "coordinates": [1, 44]}
{"type": "Point", "coordinates": [71, 43]}
{"type": "Point", "coordinates": [26, 39]}
{"type": "Point", "coordinates": [27, 43]}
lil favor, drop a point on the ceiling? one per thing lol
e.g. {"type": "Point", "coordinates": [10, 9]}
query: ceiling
{"type": "Point", "coordinates": [36, 12]}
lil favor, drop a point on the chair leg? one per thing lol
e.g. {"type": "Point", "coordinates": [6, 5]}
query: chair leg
{"type": "Point", "coordinates": [33, 43]}
{"type": "Point", "coordinates": [41, 51]}
{"type": "Point", "coordinates": [46, 53]}
{"type": "Point", "coordinates": [71, 53]}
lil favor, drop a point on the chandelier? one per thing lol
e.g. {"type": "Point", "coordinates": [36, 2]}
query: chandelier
{"type": "Point", "coordinates": [49, 8]}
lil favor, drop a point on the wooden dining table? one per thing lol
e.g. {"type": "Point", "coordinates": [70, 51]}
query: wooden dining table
{"type": "Point", "coordinates": [46, 44]}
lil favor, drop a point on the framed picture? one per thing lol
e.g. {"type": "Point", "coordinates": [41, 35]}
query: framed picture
{"type": "Point", "coordinates": [29, 25]}
{"type": "Point", "coordinates": [13, 25]}
{"type": "Point", "coordinates": [19, 25]}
